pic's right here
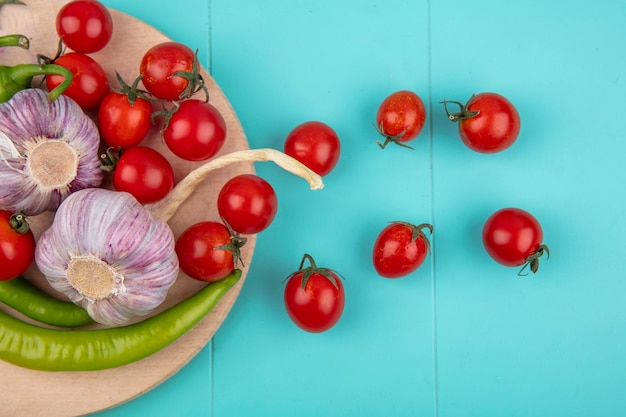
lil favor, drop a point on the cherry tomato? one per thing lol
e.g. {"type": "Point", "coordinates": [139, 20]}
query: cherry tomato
{"type": "Point", "coordinates": [144, 173]}
{"type": "Point", "coordinates": [89, 84]}
{"type": "Point", "coordinates": [315, 145]}
{"type": "Point", "coordinates": [85, 26]}
{"type": "Point", "coordinates": [123, 124]}
{"type": "Point", "coordinates": [247, 203]}
{"type": "Point", "coordinates": [400, 249]}
{"type": "Point", "coordinates": [170, 71]}
{"type": "Point", "coordinates": [400, 118]}
{"type": "Point", "coordinates": [196, 131]}
{"type": "Point", "coordinates": [208, 251]}
{"type": "Point", "coordinates": [314, 297]}
{"type": "Point", "coordinates": [488, 122]}
{"type": "Point", "coordinates": [513, 237]}
{"type": "Point", "coordinates": [17, 245]}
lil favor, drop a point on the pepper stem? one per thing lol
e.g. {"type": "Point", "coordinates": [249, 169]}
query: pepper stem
{"type": "Point", "coordinates": [15, 40]}
{"type": "Point", "coordinates": [22, 72]}
{"type": "Point", "coordinates": [165, 208]}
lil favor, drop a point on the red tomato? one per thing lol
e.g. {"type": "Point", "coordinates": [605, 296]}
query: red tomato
{"type": "Point", "coordinates": [314, 297]}
{"type": "Point", "coordinates": [144, 173]}
{"type": "Point", "coordinates": [85, 26]}
{"type": "Point", "coordinates": [17, 245]}
{"type": "Point", "coordinates": [400, 249]}
{"type": "Point", "coordinates": [315, 145]}
{"type": "Point", "coordinates": [247, 203]}
{"type": "Point", "coordinates": [123, 124]}
{"type": "Point", "coordinates": [488, 122]}
{"type": "Point", "coordinates": [89, 84]}
{"type": "Point", "coordinates": [208, 251]}
{"type": "Point", "coordinates": [400, 118]}
{"type": "Point", "coordinates": [170, 71]}
{"type": "Point", "coordinates": [196, 131]}
{"type": "Point", "coordinates": [513, 237]}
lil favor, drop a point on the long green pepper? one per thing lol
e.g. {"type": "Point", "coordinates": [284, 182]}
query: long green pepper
{"type": "Point", "coordinates": [22, 296]}
{"type": "Point", "coordinates": [38, 348]}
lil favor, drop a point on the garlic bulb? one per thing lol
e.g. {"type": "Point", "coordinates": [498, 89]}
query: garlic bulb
{"type": "Point", "coordinates": [47, 151]}
{"type": "Point", "coordinates": [108, 254]}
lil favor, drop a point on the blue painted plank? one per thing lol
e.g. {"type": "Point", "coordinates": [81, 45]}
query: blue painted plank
{"type": "Point", "coordinates": [548, 344]}
{"type": "Point", "coordinates": [280, 64]}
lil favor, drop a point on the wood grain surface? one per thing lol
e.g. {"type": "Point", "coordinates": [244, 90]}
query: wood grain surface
{"type": "Point", "coordinates": [67, 394]}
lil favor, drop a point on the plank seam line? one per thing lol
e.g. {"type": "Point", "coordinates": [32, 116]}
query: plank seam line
{"type": "Point", "coordinates": [432, 210]}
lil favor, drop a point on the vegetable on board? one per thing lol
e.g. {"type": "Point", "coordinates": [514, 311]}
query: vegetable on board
{"type": "Point", "coordinates": [34, 347]}
{"type": "Point", "coordinates": [47, 151]}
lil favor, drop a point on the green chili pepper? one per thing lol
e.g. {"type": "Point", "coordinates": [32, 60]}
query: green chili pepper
{"type": "Point", "coordinates": [22, 296]}
{"type": "Point", "coordinates": [19, 77]}
{"type": "Point", "coordinates": [34, 347]}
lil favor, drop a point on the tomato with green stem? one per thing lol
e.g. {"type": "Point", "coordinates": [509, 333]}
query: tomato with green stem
{"type": "Point", "coordinates": [124, 116]}
{"type": "Point", "coordinates": [209, 251]}
{"type": "Point", "coordinates": [514, 237]}
{"type": "Point", "coordinates": [17, 245]}
{"type": "Point", "coordinates": [314, 297]}
{"type": "Point", "coordinates": [488, 122]}
{"type": "Point", "coordinates": [400, 118]}
{"type": "Point", "coordinates": [170, 71]}
{"type": "Point", "coordinates": [400, 248]}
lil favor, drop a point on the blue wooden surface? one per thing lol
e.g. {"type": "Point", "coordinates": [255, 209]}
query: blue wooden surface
{"type": "Point", "coordinates": [462, 336]}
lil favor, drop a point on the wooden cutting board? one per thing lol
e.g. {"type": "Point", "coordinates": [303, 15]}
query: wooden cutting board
{"type": "Point", "coordinates": [67, 394]}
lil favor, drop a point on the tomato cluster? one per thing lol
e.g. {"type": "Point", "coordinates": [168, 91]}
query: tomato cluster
{"type": "Point", "coordinates": [488, 123]}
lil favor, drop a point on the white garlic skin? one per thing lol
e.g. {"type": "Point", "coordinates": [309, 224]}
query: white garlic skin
{"type": "Point", "coordinates": [113, 227]}
{"type": "Point", "coordinates": [29, 118]}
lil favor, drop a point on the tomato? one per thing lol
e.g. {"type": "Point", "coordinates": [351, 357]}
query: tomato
{"type": "Point", "coordinates": [196, 131]}
{"type": "Point", "coordinates": [315, 145]}
{"type": "Point", "coordinates": [208, 251]}
{"type": "Point", "coordinates": [123, 124]}
{"type": "Point", "coordinates": [314, 297]}
{"type": "Point", "coordinates": [400, 249]}
{"type": "Point", "coordinates": [488, 122]}
{"type": "Point", "coordinates": [17, 245]}
{"type": "Point", "coordinates": [89, 84]}
{"type": "Point", "coordinates": [400, 118]}
{"type": "Point", "coordinates": [247, 203]}
{"type": "Point", "coordinates": [144, 173]}
{"type": "Point", "coordinates": [170, 71]}
{"type": "Point", "coordinates": [513, 237]}
{"type": "Point", "coordinates": [84, 26]}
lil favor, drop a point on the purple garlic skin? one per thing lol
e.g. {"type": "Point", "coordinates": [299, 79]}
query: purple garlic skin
{"type": "Point", "coordinates": [47, 151]}
{"type": "Point", "coordinates": [108, 254]}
